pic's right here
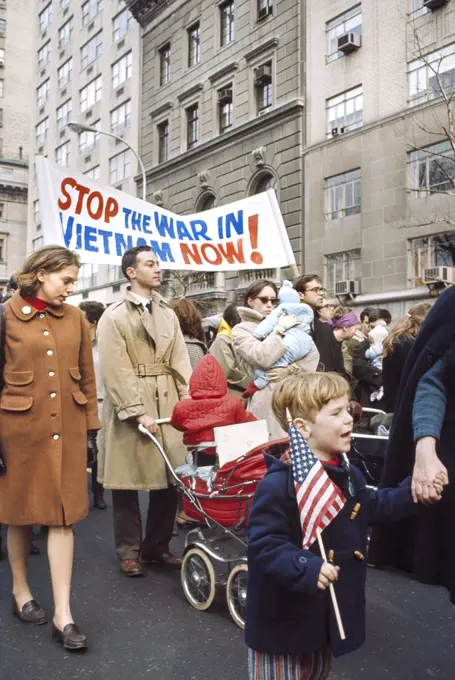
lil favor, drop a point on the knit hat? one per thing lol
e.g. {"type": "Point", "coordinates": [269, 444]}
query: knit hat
{"type": "Point", "coordinates": [287, 294]}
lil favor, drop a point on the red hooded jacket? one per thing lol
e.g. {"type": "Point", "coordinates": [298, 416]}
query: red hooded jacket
{"type": "Point", "coordinates": [210, 404]}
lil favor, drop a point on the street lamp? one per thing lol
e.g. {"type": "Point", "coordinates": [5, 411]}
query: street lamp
{"type": "Point", "coordinates": [80, 127]}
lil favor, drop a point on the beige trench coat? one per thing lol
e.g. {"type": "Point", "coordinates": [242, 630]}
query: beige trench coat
{"type": "Point", "coordinates": [256, 354]}
{"type": "Point", "coordinates": [145, 369]}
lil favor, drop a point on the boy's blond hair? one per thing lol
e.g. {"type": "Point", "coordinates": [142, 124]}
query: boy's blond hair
{"type": "Point", "coordinates": [305, 395]}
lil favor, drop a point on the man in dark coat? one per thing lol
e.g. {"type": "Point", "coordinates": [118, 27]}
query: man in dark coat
{"type": "Point", "coordinates": [424, 545]}
{"type": "Point", "coordinates": [311, 291]}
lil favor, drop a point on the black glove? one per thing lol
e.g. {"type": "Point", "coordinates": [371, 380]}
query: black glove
{"type": "Point", "coordinates": [92, 447]}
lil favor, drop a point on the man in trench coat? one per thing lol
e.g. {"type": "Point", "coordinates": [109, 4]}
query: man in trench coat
{"type": "Point", "coordinates": [145, 369]}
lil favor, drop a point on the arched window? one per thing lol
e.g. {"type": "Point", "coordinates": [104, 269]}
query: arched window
{"type": "Point", "coordinates": [206, 201]}
{"type": "Point", "coordinates": [265, 180]}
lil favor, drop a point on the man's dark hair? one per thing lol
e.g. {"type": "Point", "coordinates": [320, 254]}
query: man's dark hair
{"type": "Point", "coordinates": [301, 282]}
{"type": "Point", "coordinates": [366, 312]}
{"type": "Point", "coordinates": [93, 310]}
{"type": "Point", "coordinates": [385, 315]}
{"type": "Point", "coordinates": [12, 284]}
{"type": "Point", "coordinates": [374, 316]}
{"type": "Point", "coordinates": [129, 258]}
{"type": "Point", "coordinates": [231, 315]}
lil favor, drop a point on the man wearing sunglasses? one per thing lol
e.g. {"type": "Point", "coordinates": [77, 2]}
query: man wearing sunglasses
{"type": "Point", "coordinates": [312, 292]}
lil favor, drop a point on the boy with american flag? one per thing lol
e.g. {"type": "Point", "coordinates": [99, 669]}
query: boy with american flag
{"type": "Point", "coordinates": [311, 498]}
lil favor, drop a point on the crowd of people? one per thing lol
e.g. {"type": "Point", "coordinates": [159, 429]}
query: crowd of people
{"type": "Point", "coordinates": [77, 383]}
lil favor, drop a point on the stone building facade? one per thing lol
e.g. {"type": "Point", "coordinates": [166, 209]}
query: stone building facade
{"type": "Point", "coordinates": [222, 113]}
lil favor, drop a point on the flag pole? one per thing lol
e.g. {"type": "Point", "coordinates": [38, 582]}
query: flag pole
{"type": "Point", "coordinates": [332, 590]}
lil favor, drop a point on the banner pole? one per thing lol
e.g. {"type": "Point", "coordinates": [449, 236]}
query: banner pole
{"type": "Point", "coordinates": [294, 270]}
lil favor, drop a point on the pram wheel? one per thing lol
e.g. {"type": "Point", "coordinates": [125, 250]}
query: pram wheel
{"type": "Point", "coordinates": [236, 593]}
{"type": "Point", "coordinates": [198, 579]}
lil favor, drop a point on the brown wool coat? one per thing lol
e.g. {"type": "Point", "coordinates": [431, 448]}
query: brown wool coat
{"type": "Point", "coordinates": [145, 368]}
{"type": "Point", "coordinates": [47, 405]}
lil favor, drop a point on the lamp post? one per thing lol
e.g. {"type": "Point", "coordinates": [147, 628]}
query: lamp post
{"type": "Point", "coordinates": [80, 127]}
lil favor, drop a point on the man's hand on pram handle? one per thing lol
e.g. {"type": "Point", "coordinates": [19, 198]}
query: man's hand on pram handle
{"type": "Point", "coordinates": [328, 574]}
{"type": "Point", "coordinates": [148, 422]}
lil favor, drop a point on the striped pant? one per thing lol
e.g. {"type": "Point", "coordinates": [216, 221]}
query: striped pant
{"type": "Point", "coordinates": [275, 667]}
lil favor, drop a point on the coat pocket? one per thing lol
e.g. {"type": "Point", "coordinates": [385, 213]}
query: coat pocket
{"type": "Point", "coordinates": [11, 402]}
{"type": "Point", "coordinates": [18, 378]}
{"type": "Point", "coordinates": [80, 398]}
{"type": "Point", "coordinates": [75, 373]}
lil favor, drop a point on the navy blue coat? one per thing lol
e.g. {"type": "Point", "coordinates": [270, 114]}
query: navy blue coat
{"type": "Point", "coordinates": [425, 545]}
{"type": "Point", "coordinates": [285, 612]}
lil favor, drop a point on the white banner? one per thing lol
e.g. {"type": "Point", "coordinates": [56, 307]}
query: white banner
{"type": "Point", "coordinates": [100, 223]}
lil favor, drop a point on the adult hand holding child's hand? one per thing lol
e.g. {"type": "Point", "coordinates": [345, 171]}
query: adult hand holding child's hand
{"type": "Point", "coordinates": [327, 575]}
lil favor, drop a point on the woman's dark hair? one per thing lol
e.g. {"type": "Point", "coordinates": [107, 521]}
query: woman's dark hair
{"type": "Point", "coordinates": [254, 290]}
{"type": "Point", "coordinates": [231, 315]}
{"type": "Point", "coordinates": [190, 319]}
{"type": "Point", "coordinates": [49, 259]}
{"type": "Point", "coordinates": [93, 310]}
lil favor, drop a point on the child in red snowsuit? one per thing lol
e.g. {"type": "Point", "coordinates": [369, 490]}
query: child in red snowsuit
{"type": "Point", "coordinates": [210, 406]}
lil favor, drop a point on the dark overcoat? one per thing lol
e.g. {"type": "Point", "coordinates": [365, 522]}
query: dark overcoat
{"type": "Point", "coordinates": [285, 612]}
{"type": "Point", "coordinates": [424, 546]}
{"type": "Point", "coordinates": [46, 407]}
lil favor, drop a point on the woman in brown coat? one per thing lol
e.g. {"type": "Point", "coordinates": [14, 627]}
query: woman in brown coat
{"type": "Point", "coordinates": [48, 417]}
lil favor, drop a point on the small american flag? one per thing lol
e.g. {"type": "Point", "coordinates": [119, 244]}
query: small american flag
{"type": "Point", "coordinates": [318, 498]}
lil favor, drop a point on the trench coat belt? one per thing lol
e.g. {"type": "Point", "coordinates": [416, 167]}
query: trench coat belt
{"type": "Point", "coordinates": [153, 370]}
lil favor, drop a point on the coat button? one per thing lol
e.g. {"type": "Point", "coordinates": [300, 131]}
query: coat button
{"type": "Point", "coordinates": [49, 352]}
{"type": "Point", "coordinates": [46, 333]}
{"type": "Point", "coordinates": [41, 316]}
{"type": "Point", "coordinates": [53, 395]}
{"type": "Point", "coordinates": [51, 373]}
{"type": "Point", "coordinates": [26, 309]}
{"type": "Point", "coordinates": [302, 560]}
{"type": "Point", "coordinates": [56, 436]}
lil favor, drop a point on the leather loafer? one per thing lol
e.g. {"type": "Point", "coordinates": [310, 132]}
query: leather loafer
{"type": "Point", "coordinates": [31, 612]}
{"type": "Point", "coordinates": [131, 568]}
{"type": "Point", "coordinates": [70, 637]}
{"type": "Point", "coordinates": [164, 559]}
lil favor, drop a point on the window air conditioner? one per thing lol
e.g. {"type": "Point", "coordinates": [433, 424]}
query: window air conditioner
{"type": "Point", "coordinates": [337, 131]}
{"type": "Point", "coordinates": [434, 4]}
{"type": "Point", "coordinates": [438, 275]}
{"type": "Point", "coordinates": [265, 12]}
{"type": "Point", "coordinates": [225, 95]}
{"type": "Point", "coordinates": [349, 42]}
{"type": "Point", "coordinates": [263, 74]}
{"type": "Point", "coordinates": [350, 287]}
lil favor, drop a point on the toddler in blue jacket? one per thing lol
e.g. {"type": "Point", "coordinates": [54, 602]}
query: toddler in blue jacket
{"type": "Point", "coordinates": [290, 626]}
{"type": "Point", "coordinates": [297, 339]}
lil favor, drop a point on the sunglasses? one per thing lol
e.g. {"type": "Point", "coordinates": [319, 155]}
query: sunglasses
{"type": "Point", "coordinates": [266, 300]}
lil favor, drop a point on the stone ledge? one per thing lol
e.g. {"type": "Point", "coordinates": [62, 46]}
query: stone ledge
{"type": "Point", "coordinates": [189, 93]}
{"type": "Point", "coordinates": [161, 109]}
{"type": "Point", "coordinates": [224, 71]}
{"type": "Point", "coordinates": [270, 44]}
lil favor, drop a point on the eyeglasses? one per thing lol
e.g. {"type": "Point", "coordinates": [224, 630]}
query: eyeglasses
{"type": "Point", "coordinates": [317, 290]}
{"type": "Point", "coordinates": [266, 300]}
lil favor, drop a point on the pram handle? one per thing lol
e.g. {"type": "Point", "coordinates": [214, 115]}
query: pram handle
{"type": "Point", "coordinates": [144, 430]}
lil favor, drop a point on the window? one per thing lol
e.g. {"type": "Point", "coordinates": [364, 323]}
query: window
{"type": "Point", "coordinates": [88, 276]}
{"type": "Point", "coordinates": [433, 169]}
{"type": "Point", "coordinates": [122, 70]}
{"type": "Point", "coordinates": [92, 50]}
{"type": "Point", "coordinates": [36, 213]}
{"type": "Point", "coordinates": [88, 140]}
{"type": "Point", "coordinates": [2, 27]}
{"type": "Point", "coordinates": [90, 9]}
{"type": "Point", "coordinates": [263, 87]}
{"type": "Point", "coordinates": [64, 73]}
{"type": "Point", "coordinates": [65, 32]}
{"type": "Point", "coordinates": [345, 111]}
{"type": "Point", "coordinates": [225, 108]}
{"type": "Point", "coordinates": [194, 45]}
{"type": "Point", "coordinates": [122, 24]}
{"type": "Point", "coordinates": [2, 56]}
{"type": "Point", "coordinates": [94, 173]}
{"type": "Point", "coordinates": [37, 243]}
{"type": "Point", "coordinates": [163, 141]}
{"type": "Point", "coordinates": [119, 167]}
{"type": "Point", "coordinates": [41, 131]}
{"type": "Point", "coordinates": [114, 272]}
{"type": "Point", "coordinates": [64, 114]}
{"type": "Point", "coordinates": [227, 22]}
{"type": "Point", "coordinates": [63, 153]}
{"type": "Point", "coordinates": [343, 195]}
{"type": "Point", "coordinates": [91, 94]}
{"type": "Point", "coordinates": [2, 86]}
{"type": "Point", "coordinates": [432, 75]}
{"type": "Point", "coordinates": [165, 64]}
{"type": "Point", "coordinates": [206, 202]}
{"type": "Point", "coordinates": [45, 17]}
{"type": "Point", "coordinates": [3, 249]}
{"type": "Point", "coordinates": [44, 55]}
{"type": "Point", "coordinates": [192, 125]}
{"type": "Point", "coordinates": [342, 267]}
{"type": "Point", "coordinates": [2, 211]}
{"type": "Point", "coordinates": [64, 3]}
{"type": "Point", "coordinates": [42, 93]}
{"type": "Point", "coordinates": [121, 117]}
{"type": "Point", "coordinates": [430, 251]}
{"type": "Point", "coordinates": [349, 22]}
{"type": "Point", "coordinates": [263, 182]}
{"type": "Point", "coordinates": [417, 8]}
{"type": "Point", "coordinates": [265, 8]}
